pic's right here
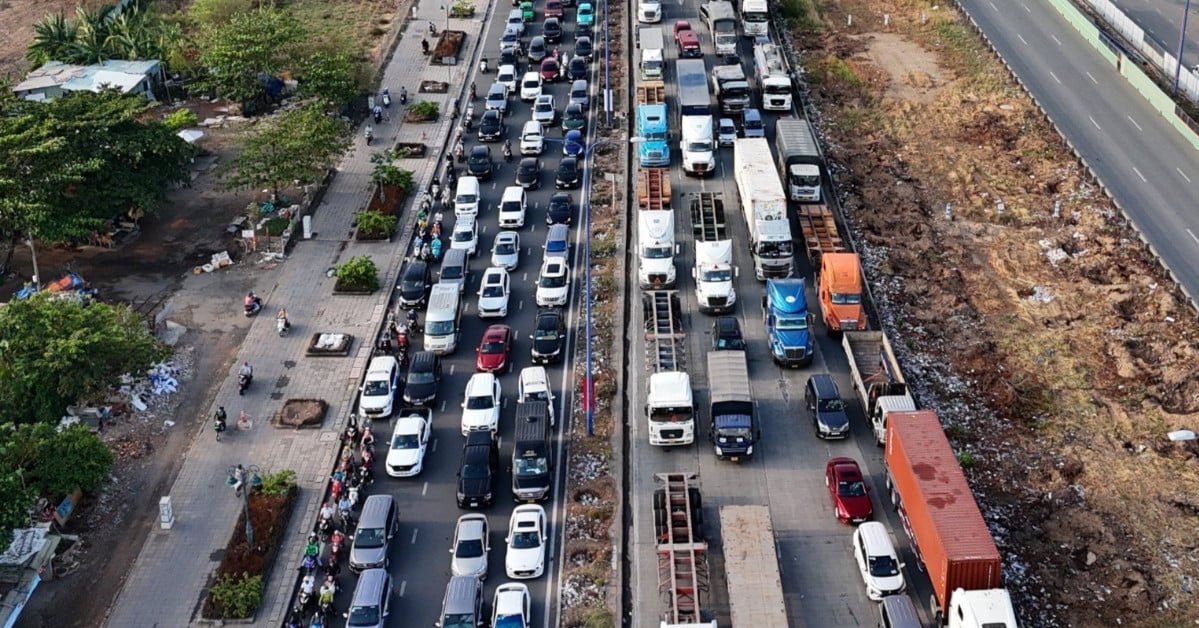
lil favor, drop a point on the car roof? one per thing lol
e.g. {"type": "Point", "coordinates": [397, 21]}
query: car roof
{"type": "Point", "coordinates": [545, 98]}
{"type": "Point", "coordinates": [526, 161]}
{"type": "Point", "coordinates": [471, 526]}
{"type": "Point", "coordinates": [534, 375]}
{"type": "Point", "coordinates": [548, 314]}
{"type": "Point", "coordinates": [496, 88]}
{"type": "Point", "coordinates": [532, 75]}
{"type": "Point", "coordinates": [507, 235]}
{"type": "Point", "coordinates": [480, 383]}
{"type": "Point", "coordinates": [408, 424]}
{"type": "Point", "coordinates": [496, 331]}
{"type": "Point", "coordinates": [527, 511]}
{"type": "Point", "coordinates": [494, 274]}
{"type": "Point", "coordinates": [727, 324]}
{"type": "Point", "coordinates": [553, 266]}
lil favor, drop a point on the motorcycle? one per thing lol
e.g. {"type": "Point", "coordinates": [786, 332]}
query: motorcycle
{"type": "Point", "coordinates": [370, 135]}
{"type": "Point", "coordinates": [309, 564]}
{"type": "Point", "coordinates": [282, 325]}
{"type": "Point", "coordinates": [325, 527]}
{"type": "Point", "coordinates": [365, 475]}
{"type": "Point", "coordinates": [403, 95]}
{"type": "Point", "coordinates": [306, 587]}
{"type": "Point", "coordinates": [243, 382]}
{"type": "Point", "coordinates": [483, 65]}
{"type": "Point", "coordinates": [336, 542]}
{"type": "Point", "coordinates": [219, 426]}
{"type": "Point", "coordinates": [253, 304]}
{"type": "Point", "coordinates": [386, 98]}
{"type": "Point", "coordinates": [507, 151]}
{"type": "Point", "coordinates": [378, 114]}
{"type": "Point", "coordinates": [470, 113]}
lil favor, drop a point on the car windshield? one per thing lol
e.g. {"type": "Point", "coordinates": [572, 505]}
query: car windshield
{"type": "Point", "coordinates": [458, 621]}
{"type": "Point", "coordinates": [718, 275]}
{"type": "Point", "coordinates": [469, 548]}
{"type": "Point", "coordinates": [552, 281]}
{"type": "Point", "coordinates": [856, 488]}
{"type": "Point", "coordinates": [482, 402]}
{"type": "Point", "coordinates": [478, 159]}
{"type": "Point", "coordinates": [420, 377]}
{"type": "Point", "coordinates": [532, 466]}
{"type": "Point", "coordinates": [567, 170]}
{"type": "Point", "coordinates": [528, 168]}
{"type": "Point", "coordinates": [785, 322]}
{"type": "Point", "coordinates": [464, 235]}
{"type": "Point", "coordinates": [544, 107]}
{"type": "Point", "coordinates": [730, 343]}
{"type": "Point", "coordinates": [547, 334]}
{"type": "Point", "coordinates": [451, 272]}
{"type": "Point", "coordinates": [831, 405]}
{"type": "Point", "coordinates": [405, 441]}
{"type": "Point", "coordinates": [363, 616]}
{"type": "Point", "coordinates": [439, 328]}
{"type": "Point", "coordinates": [539, 395]}
{"type": "Point", "coordinates": [413, 284]}
{"type": "Point", "coordinates": [530, 84]}
{"type": "Point", "coordinates": [846, 299]}
{"type": "Point", "coordinates": [369, 538]}
{"type": "Point", "coordinates": [475, 471]}
{"type": "Point", "coordinates": [492, 347]}
{"type": "Point", "coordinates": [493, 290]}
{"type": "Point", "coordinates": [376, 388]}
{"type": "Point", "coordinates": [526, 540]}
{"type": "Point", "coordinates": [495, 94]}
{"type": "Point", "coordinates": [466, 199]}
{"type": "Point", "coordinates": [509, 621]}
{"type": "Point", "coordinates": [505, 248]}
{"type": "Point", "coordinates": [883, 566]}
{"type": "Point", "coordinates": [555, 246]}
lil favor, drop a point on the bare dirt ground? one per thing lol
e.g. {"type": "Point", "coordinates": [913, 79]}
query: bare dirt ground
{"type": "Point", "coordinates": [1052, 346]}
{"type": "Point", "coordinates": [19, 17]}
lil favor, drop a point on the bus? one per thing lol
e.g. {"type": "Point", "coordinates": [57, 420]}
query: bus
{"type": "Point", "coordinates": [755, 18]}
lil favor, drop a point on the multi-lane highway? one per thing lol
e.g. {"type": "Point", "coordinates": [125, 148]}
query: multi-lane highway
{"type": "Point", "coordinates": [1162, 22]}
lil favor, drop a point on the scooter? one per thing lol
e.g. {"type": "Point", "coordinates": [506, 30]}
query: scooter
{"type": "Point", "coordinates": [386, 98]}
{"type": "Point", "coordinates": [254, 306]}
{"type": "Point", "coordinates": [483, 66]}
{"type": "Point", "coordinates": [378, 113]}
{"type": "Point", "coordinates": [403, 95]}
{"type": "Point", "coordinates": [219, 427]}
{"type": "Point", "coordinates": [370, 135]}
{"type": "Point", "coordinates": [243, 382]}
{"type": "Point", "coordinates": [306, 587]}
{"type": "Point", "coordinates": [282, 325]}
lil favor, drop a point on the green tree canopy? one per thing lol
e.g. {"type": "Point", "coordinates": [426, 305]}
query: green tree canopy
{"type": "Point", "coordinates": [15, 501]}
{"type": "Point", "coordinates": [296, 145]}
{"type": "Point", "coordinates": [334, 75]}
{"type": "Point", "coordinates": [56, 352]}
{"type": "Point", "coordinates": [54, 463]}
{"type": "Point", "coordinates": [238, 52]}
{"type": "Point", "coordinates": [135, 32]}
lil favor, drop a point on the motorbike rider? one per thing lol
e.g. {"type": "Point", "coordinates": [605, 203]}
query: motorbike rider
{"type": "Point", "coordinates": [424, 45]}
{"type": "Point", "coordinates": [307, 586]}
{"type": "Point", "coordinates": [246, 371]}
{"type": "Point", "coordinates": [219, 420]}
{"type": "Point", "coordinates": [472, 91]}
{"type": "Point", "coordinates": [326, 511]}
{"type": "Point", "coordinates": [507, 150]}
{"type": "Point", "coordinates": [412, 320]}
{"type": "Point", "coordinates": [253, 301]}
{"type": "Point", "coordinates": [239, 479]}
{"type": "Point", "coordinates": [403, 95]}
{"type": "Point", "coordinates": [344, 506]}
{"type": "Point", "coordinates": [370, 133]}
{"type": "Point", "coordinates": [337, 538]}
{"type": "Point", "coordinates": [378, 111]}
{"type": "Point", "coordinates": [282, 315]}
{"type": "Point", "coordinates": [386, 97]}
{"type": "Point", "coordinates": [328, 589]}
{"type": "Point", "coordinates": [435, 245]}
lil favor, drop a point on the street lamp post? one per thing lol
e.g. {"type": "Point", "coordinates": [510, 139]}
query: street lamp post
{"type": "Point", "coordinates": [252, 479]}
{"type": "Point", "coordinates": [1182, 39]}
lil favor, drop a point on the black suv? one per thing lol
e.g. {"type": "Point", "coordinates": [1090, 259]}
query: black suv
{"type": "Point", "coordinates": [552, 30]}
{"type": "Point", "coordinates": [568, 174]}
{"type": "Point", "coordinates": [549, 333]}
{"type": "Point", "coordinates": [577, 69]}
{"type": "Point", "coordinates": [561, 209]}
{"type": "Point", "coordinates": [479, 163]}
{"type": "Point", "coordinates": [825, 407]}
{"type": "Point", "coordinates": [415, 282]}
{"type": "Point", "coordinates": [726, 334]}
{"type": "Point", "coordinates": [476, 474]}
{"type": "Point", "coordinates": [424, 373]}
{"type": "Point", "coordinates": [491, 126]}
{"type": "Point", "coordinates": [528, 173]}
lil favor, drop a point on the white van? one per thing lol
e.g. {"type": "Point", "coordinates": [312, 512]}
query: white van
{"type": "Point", "coordinates": [441, 319]}
{"type": "Point", "coordinates": [512, 207]}
{"type": "Point", "coordinates": [466, 197]}
{"type": "Point", "coordinates": [532, 138]}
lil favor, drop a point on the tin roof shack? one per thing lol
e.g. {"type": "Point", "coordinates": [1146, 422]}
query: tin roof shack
{"type": "Point", "coordinates": [23, 566]}
{"type": "Point", "coordinates": [55, 79]}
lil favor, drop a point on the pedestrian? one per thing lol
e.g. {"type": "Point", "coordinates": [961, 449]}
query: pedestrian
{"type": "Point", "coordinates": [239, 480]}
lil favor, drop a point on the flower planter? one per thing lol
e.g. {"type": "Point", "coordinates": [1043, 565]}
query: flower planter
{"type": "Point", "coordinates": [269, 515]}
{"type": "Point", "coordinates": [410, 150]}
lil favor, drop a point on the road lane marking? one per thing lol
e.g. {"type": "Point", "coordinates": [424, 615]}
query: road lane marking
{"type": "Point", "coordinates": [1134, 123]}
{"type": "Point", "coordinates": [403, 586]}
{"type": "Point", "coordinates": [994, 7]}
{"type": "Point", "coordinates": [434, 447]}
{"type": "Point", "coordinates": [1059, 42]}
{"type": "Point", "coordinates": [1134, 169]}
{"type": "Point", "coordinates": [1183, 175]}
{"type": "Point", "coordinates": [1193, 237]}
{"type": "Point", "coordinates": [1026, 9]}
{"type": "Point", "coordinates": [1095, 123]}
{"type": "Point", "coordinates": [424, 490]}
{"type": "Point", "coordinates": [1092, 78]}
{"type": "Point", "coordinates": [520, 305]}
{"type": "Point", "coordinates": [1018, 34]}
{"type": "Point", "coordinates": [451, 373]}
{"type": "Point", "coordinates": [414, 533]}
{"type": "Point", "coordinates": [1059, 81]}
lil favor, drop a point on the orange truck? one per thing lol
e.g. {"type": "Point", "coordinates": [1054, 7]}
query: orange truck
{"type": "Point", "coordinates": [840, 290]}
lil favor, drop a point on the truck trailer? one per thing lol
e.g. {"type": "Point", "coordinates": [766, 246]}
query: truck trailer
{"type": "Point", "coordinates": [876, 379]}
{"type": "Point", "coordinates": [799, 160]}
{"type": "Point", "coordinates": [751, 567]}
{"type": "Point", "coordinates": [714, 271]}
{"type": "Point", "coordinates": [765, 207]}
{"type": "Point", "coordinates": [669, 404]}
{"type": "Point", "coordinates": [735, 428]}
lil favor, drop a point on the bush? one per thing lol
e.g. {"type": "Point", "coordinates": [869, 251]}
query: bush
{"type": "Point", "coordinates": [181, 119]}
{"type": "Point", "coordinates": [423, 110]}
{"type": "Point", "coordinates": [358, 274]}
{"type": "Point", "coordinates": [279, 483]}
{"type": "Point", "coordinates": [966, 459]}
{"type": "Point", "coordinates": [238, 596]}
{"type": "Point", "coordinates": [376, 225]}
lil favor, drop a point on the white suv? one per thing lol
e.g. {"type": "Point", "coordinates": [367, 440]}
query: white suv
{"type": "Point", "coordinates": [481, 404]}
{"type": "Point", "coordinates": [532, 138]}
{"type": "Point", "coordinates": [512, 207]}
{"type": "Point", "coordinates": [530, 86]}
{"type": "Point", "coordinates": [553, 284]}
{"type": "Point", "coordinates": [877, 561]}
{"type": "Point", "coordinates": [494, 293]}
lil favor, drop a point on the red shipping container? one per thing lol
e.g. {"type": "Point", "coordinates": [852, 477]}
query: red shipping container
{"type": "Point", "coordinates": [942, 518]}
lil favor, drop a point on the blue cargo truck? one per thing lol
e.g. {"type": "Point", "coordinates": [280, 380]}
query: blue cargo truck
{"type": "Point", "coordinates": [788, 322]}
{"type": "Point", "coordinates": [735, 427]}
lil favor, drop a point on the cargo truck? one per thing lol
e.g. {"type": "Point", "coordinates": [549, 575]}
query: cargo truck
{"type": "Point", "coordinates": [765, 208]}
{"type": "Point", "coordinates": [942, 521]}
{"type": "Point", "coordinates": [770, 69]}
{"type": "Point", "coordinates": [731, 87]}
{"type": "Point", "coordinates": [652, 49]}
{"type": "Point", "coordinates": [670, 404]}
{"type": "Point", "coordinates": [656, 249]}
{"type": "Point", "coordinates": [734, 429]}
{"type": "Point", "coordinates": [788, 322]}
{"type": "Point", "coordinates": [695, 107]}
{"type": "Point", "coordinates": [652, 125]}
{"type": "Point", "coordinates": [876, 379]}
{"type": "Point", "coordinates": [799, 160]}
{"type": "Point", "coordinates": [721, 19]}
{"type": "Point", "coordinates": [683, 580]}
{"type": "Point", "coordinates": [714, 270]}
{"type": "Point", "coordinates": [653, 188]}
{"type": "Point", "coordinates": [751, 567]}
{"type": "Point", "coordinates": [839, 289]}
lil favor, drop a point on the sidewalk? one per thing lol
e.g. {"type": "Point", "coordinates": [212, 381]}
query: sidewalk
{"type": "Point", "coordinates": [165, 586]}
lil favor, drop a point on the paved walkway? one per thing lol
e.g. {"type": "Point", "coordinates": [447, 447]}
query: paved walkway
{"type": "Point", "coordinates": [165, 587]}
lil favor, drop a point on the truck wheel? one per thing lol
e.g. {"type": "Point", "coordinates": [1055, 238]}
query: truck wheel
{"type": "Point", "coordinates": [697, 513]}
{"type": "Point", "coordinates": [936, 609]}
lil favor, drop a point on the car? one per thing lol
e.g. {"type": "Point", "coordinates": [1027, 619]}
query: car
{"type": "Point", "coordinates": [512, 207]}
{"type": "Point", "coordinates": [516, 20]}
{"type": "Point", "coordinates": [847, 489]}
{"type": "Point", "coordinates": [511, 36]}
{"type": "Point", "coordinates": [534, 385]}
{"type": "Point", "coordinates": [494, 292]}
{"type": "Point", "coordinates": [544, 110]}
{"type": "Point", "coordinates": [572, 144]}
{"type": "Point", "coordinates": [497, 98]}
{"type": "Point", "coordinates": [825, 407]}
{"type": "Point", "coordinates": [726, 132]}
{"type": "Point", "coordinates": [580, 93]}
{"type": "Point", "coordinates": [471, 544]}
{"type": "Point", "coordinates": [583, 30]}
{"type": "Point", "coordinates": [506, 76]}
{"type": "Point", "coordinates": [550, 70]}
{"type": "Point", "coordinates": [414, 284]}
{"type": "Point", "coordinates": [505, 250]}
{"type": "Point", "coordinates": [553, 283]}
{"type": "Point", "coordinates": [423, 378]}
{"type": "Point", "coordinates": [481, 403]}
{"type": "Point", "coordinates": [478, 164]}
{"type": "Point", "coordinates": [477, 470]}
{"type": "Point", "coordinates": [576, 69]}
{"type": "Point", "coordinates": [574, 118]}
{"type": "Point", "coordinates": [379, 388]}
{"type": "Point", "coordinates": [679, 27]}
{"type": "Point", "coordinates": [527, 539]}
{"type": "Point", "coordinates": [549, 336]}
{"type": "Point", "coordinates": [510, 55]}
{"type": "Point", "coordinates": [465, 235]}
{"type": "Point", "coordinates": [491, 126]}
{"type": "Point", "coordinates": [688, 43]}
{"type": "Point", "coordinates": [528, 173]}
{"type": "Point", "coordinates": [882, 573]}
{"type": "Point", "coordinates": [584, 47]}
{"type": "Point", "coordinates": [526, 11]}
{"type": "Point", "coordinates": [553, 9]}
{"type": "Point", "coordinates": [530, 86]}
{"type": "Point", "coordinates": [585, 14]}
{"type": "Point", "coordinates": [532, 138]}
{"type": "Point", "coordinates": [561, 209]}
{"type": "Point", "coordinates": [568, 174]}
{"type": "Point", "coordinates": [409, 440]}
{"type": "Point", "coordinates": [511, 606]}
{"type": "Point", "coordinates": [556, 244]}
{"type": "Point", "coordinates": [551, 29]}
{"type": "Point", "coordinates": [751, 123]}
{"type": "Point", "coordinates": [726, 334]}
{"type": "Point", "coordinates": [537, 49]}
{"type": "Point", "coordinates": [495, 349]}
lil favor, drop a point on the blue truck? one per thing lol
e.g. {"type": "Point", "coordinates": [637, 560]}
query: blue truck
{"type": "Point", "coordinates": [788, 322]}
{"type": "Point", "coordinates": [734, 425]}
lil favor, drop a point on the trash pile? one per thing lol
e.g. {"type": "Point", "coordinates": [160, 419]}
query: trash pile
{"type": "Point", "coordinates": [145, 396]}
{"type": "Point", "coordinates": [161, 379]}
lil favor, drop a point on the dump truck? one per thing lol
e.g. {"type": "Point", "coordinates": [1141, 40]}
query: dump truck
{"type": "Point", "coordinates": [876, 379]}
{"type": "Point", "coordinates": [765, 207]}
{"type": "Point", "coordinates": [670, 404]}
{"type": "Point", "coordinates": [770, 69]}
{"type": "Point", "coordinates": [839, 290]}
{"type": "Point", "coordinates": [653, 188]}
{"type": "Point", "coordinates": [799, 160]}
{"type": "Point", "coordinates": [731, 88]}
{"type": "Point", "coordinates": [714, 270]}
{"type": "Point", "coordinates": [751, 567]}
{"type": "Point", "coordinates": [683, 579]}
{"type": "Point", "coordinates": [734, 428]}
{"type": "Point", "coordinates": [819, 229]}
{"type": "Point", "coordinates": [788, 323]}
{"type": "Point", "coordinates": [941, 519]}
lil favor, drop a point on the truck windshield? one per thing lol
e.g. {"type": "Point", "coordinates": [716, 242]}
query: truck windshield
{"type": "Point", "coordinates": [531, 466]}
{"type": "Point", "coordinates": [753, 16]}
{"type": "Point", "coordinates": [805, 181]}
{"type": "Point", "coordinates": [790, 322]}
{"type": "Point", "coordinates": [670, 415]}
{"type": "Point", "coordinates": [774, 250]}
{"type": "Point", "coordinates": [718, 275]}
{"type": "Point", "coordinates": [651, 65]}
{"type": "Point", "coordinates": [439, 328]}
{"type": "Point", "coordinates": [656, 252]}
{"type": "Point", "coordinates": [840, 298]}
{"type": "Point", "coordinates": [701, 146]}
{"type": "Point", "coordinates": [733, 434]}
{"type": "Point", "coordinates": [655, 136]}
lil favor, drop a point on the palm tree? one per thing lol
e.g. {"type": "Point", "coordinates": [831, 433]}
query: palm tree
{"type": "Point", "coordinates": [54, 39]}
{"type": "Point", "coordinates": [93, 33]}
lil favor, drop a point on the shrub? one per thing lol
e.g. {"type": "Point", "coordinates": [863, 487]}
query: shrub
{"type": "Point", "coordinates": [966, 459]}
{"type": "Point", "coordinates": [238, 596]}
{"type": "Point", "coordinates": [277, 484]}
{"type": "Point", "coordinates": [424, 110]}
{"type": "Point", "coordinates": [359, 273]}
{"type": "Point", "coordinates": [181, 119]}
{"type": "Point", "coordinates": [374, 224]}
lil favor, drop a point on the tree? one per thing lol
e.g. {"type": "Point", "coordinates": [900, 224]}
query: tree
{"type": "Point", "coordinates": [54, 463]}
{"type": "Point", "coordinates": [54, 38]}
{"type": "Point", "coordinates": [56, 352]}
{"type": "Point", "coordinates": [332, 75]}
{"type": "Point", "coordinates": [297, 145]}
{"type": "Point", "coordinates": [243, 51]}
{"type": "Point", "coordinates": [15, 501]}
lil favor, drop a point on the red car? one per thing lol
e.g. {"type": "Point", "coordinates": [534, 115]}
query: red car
{"type": "Point", "coordinates": [850, 495]}
{"type": "Point", "coordinates": [495, 350]}
{"type": "Point", "coordinates": [679, 26]}
{"type": "Point", "coordinates": [550, 69]}
{"type": "Point", "coordinates": [688, 42]}
{"type": "Point", "coordinates": [553, 8]}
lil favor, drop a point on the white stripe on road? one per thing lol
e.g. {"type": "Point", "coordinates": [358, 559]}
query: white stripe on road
{"type": "Point", "coordinates": [1183, 175]}
{"type": "Point", "coordinates": [1059, 42]}
{"type": "Point", "coordinates": [1092, 78]}
{"type": "Point", "coordinates": [1059, 81]}
{"type": "Point", "coordinates": [1192, 234]}
{"type": "Point", "coordinates": [414, 533]}
{"type": "Point", "coordinates": [1020, 36]}
{"type": "Point", "coordinates": [1095, 123]}
{"type": "Point", "coordinates": [1134, 169]}
{"type": "Point", "coordinates": [1134, 123]}
{"type": "Point", "coordinates": [403, 586]}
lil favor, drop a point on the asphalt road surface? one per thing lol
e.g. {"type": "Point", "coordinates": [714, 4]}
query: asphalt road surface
{"type": "Point", "coordinates": [1162, 22]}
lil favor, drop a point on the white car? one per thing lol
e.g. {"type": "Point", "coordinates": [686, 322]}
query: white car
{"type": "Point", "coordinates": [465, 235]}
{"type": "Point", "coordinates": [481, 404]}
{"type": "Point", "coordinates": [534, 385]}
{"type": "Point", "coordinates": [553, 283]}
{"type": "Point", "coordinates": [511, 606]}
{"type": "Point", "coordinates": [409, 440]}
{"type": "Point", "coordinates": [530, 86]}
{"type": "Point", "coordinates": [877, 561]}
{"type": "Point", "coordinates": [494, 292]}
{"type": "Point", "coordinates": [497, 98]}
{"type": "Point", "coordinates": [506, 75]}
{"type": "Point", "coordinates": [544, 110]}
{"type": "Point", "coordinates": [379, 388]}
{"type": "Point", "coordinates": [516, 20]}
{"type": "Point", "coordinates": [505, 252]}
{"type": "Point", "coordinates": [526, 543]}
{"type": "Point", "coordinates": [470, 546]}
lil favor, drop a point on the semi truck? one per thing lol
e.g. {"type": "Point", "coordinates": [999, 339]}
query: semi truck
{"type": "Point", "coordinates": [652, 125]}
{"type": "Point", "coordinates": [819, 230]}
{"type": "Point", "coordinates": [942, 521]}
{"type": "Point", "coordinates": [731, 87]}
{"type": "Point", "coordinates": [683, 579]}
{"type": "Point", "coordinates": [765, 208]}
{"type": "Point", "coordinates": [770, 69]}
{"type": "Point", "coordinates": [669, 405]}
{"type": "Point", "coordinates": [735, 428]}
{"type": "Point", "coordinates": [652, 49]}
{"type": "Point", "coordinates": [876, 379]}
{"type": "Point", "coordinates": [656, 249]}
{"type": "Point", "coordinates": [695, 107]}
{"type": "Point", "coordinates": [788, 322]}
{"type": "Point", "coordinates": [799, 160]}
{"type": "Point", "coordinates": [714, 270]}
{"type": "Point", "coordinates": [653, 188]}
{"type": "Point", "coordinates": [839, 290]}
{"type": "Point", "coordinates": [751, 567]}
{"type": "Point", "coordinates": [721, 19]}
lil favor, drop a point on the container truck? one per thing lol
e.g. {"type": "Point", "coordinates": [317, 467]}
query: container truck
{"type": "Point", "coordinates": [652, 49]}
{"type": "Point", "coordinates": [751, 567]}
{"type": "Point", "coordinates": [721, 19]}
{"type": "Point", "coordinates": [695, 107]}
{"type": "Point", "coordinates": [683, 580]}
{"type": "Point", "coordinates": [669, 405]}
{"type": "Point", "coordinates": [770, 69]}
{"type": "Point", "coordinates": [876, 379]}
{"type": "Point", "coordinates": [653, 188]}
{"type": "Point", "coordinates": [656, 249]}
{"type": "Point", "coordinates": [734, 429]}
{"type": "Point", "coordinates": [799, 160]}
{"type": "Point", "coordinates": [731, 87]}
{"type": "Point", "coordinates": [839, 290]}
{"type": "Point", "coordinates": [714, 270]}
{"type": "Point", "coordinates": [943, 524]}
{"type": "Point", "coordinates": [765, 208]}
{"type": "Point", "coordinates": [788, 322]}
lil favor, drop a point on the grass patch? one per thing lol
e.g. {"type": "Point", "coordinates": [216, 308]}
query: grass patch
{"type": "Point", "coordinates": [833, 70]}
{"type": "Point", "coordinates": [801, 14]}
{"type": "Point", "coordinates": [358, 23]}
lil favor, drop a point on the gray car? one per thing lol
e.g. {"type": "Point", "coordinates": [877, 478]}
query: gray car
{"type": "Point", "coordinates": [372, 600]}
{"type": "Point", "coordinates": [380, 521]}
{"type": "Point", "coordinates": [470, 546]}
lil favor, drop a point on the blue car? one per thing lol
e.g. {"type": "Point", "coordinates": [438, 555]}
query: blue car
{"type": "Point", "coordinates": [572, 146]}
{"type": "Point", "coordinates": [586, 14]}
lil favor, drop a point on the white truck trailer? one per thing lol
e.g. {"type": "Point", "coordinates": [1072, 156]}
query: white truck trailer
{"type": "Point", "coordinates": [765, 207]}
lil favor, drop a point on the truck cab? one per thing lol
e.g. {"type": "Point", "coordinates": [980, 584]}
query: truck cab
{"type": "Point", "coordinates": [987, 608]}
{"type": "Point", "coordinates": [699, 155]}
{"type": "Point", "coordinates": [840, 291]}
{"type": "Point", "coordinates": [649, 11]}
{"type": "Point", "coordinates": [731, 88]}
{"type": "Point", "coordinates": [714, 273]}
{"type": "Point", "coordinates": [656, 249]}
{"type": "Point", "coordinates": [652, 46]}
{"type": "Point", "coordinates": [788, 322]}
{"type": "Point", "coordinates": [670, 408]}
{"type": "Point", "coordinates": [654, 149]}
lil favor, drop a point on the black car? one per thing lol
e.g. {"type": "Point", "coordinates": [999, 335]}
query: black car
{"type": "Point", "coordinates": [476, 473]}
{"type": "Point", "coordinates": [726, 334]}
{"type": "Point", "coordinates": [491, 126]}
{"type": "Point", "coordinates": [424, 373]}
{"type": "Point", "coordinates": [552, 30]}
{"type": "Point", "coordinates": [479, 163]}
{"type": "Point", "coordinates": [561, 211]}
{"type": "Point", "coordinates": [509, 56]}
{"type": "Point", "coordinates": [549, 333]}
{"type": "Point", "coordinates": [528, 173]}
{"type": "Point", "coordinates": [568, 174]}
{"type": "Point", "coordinates": [582, 30]}
{"type": "Point", "coordinates": [577, 69]}
{"type": "Point", "coordinates": [415, 282]}
{"type": "Point", "coordinates": [583, 47]}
